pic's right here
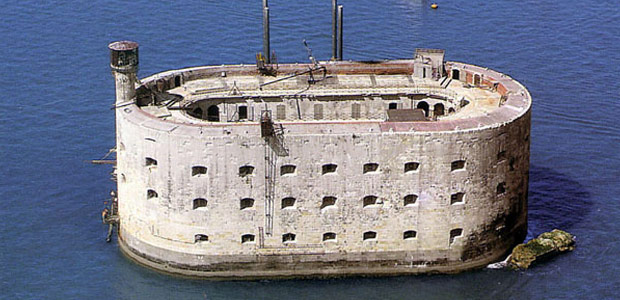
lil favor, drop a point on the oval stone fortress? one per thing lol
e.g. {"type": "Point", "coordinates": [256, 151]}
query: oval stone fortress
{"type": "Point", "coordinates": [321, 169]}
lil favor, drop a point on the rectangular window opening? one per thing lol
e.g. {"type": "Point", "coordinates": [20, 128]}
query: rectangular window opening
{"type": "Point", "coordinates": [243, 112]}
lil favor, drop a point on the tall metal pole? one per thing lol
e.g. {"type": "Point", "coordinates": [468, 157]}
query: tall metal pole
{"type": "Point", "coordinates": [340, 32]}
{"type": "Point", "coordinates": [334, 29]}
{"type": "Point", "coordinates": [266, 49]}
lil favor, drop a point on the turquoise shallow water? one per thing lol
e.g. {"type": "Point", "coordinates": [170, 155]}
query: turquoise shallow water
{"type": "Point", "coordinates": [55, 114]}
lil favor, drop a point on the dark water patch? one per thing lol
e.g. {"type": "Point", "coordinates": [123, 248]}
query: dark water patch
{"type": "Point", "coordinates": [555, 200]}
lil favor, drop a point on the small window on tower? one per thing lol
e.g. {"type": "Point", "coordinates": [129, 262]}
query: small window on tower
{"type": "Point", "coordinates": [455, 233]}
{"type": "Point", "coordinates": [501, 155]}
{"type": "Point", "coordinates": [329, 236]}
{"type": "Point", "coordinates": [288, 238]}
{"type": "Point", "coordinates": [501, 188]}
{"type": "Point", "coordinates": [150, 162]}
{"type": "Point", "coordinates": [329, 168]}
{"type": "Point", "coordinates": [410, 200]}
{"type": "Point", "coordinates": [371, 167]}
{"type": "Point", "coordinates": [370, 200]}
{"type": "Point", "coordinates": [199, 170]}
{"type": "Point", "coordinates": [151, 194]}
{"type": "Point", "coordinates": [200, 203]}
{"type": "Point", "coordinates": [201, 238]}
{"type": "Point", "coordinates": [393, 105]}
{"type": "Point", "coordinates": [409, 235]}
{"type": "Point", "coordinates": [288, 202]}
{"type": "Point", "coordinates": [246, 203]}
{"type": "Point", "coordinates": [247, 238]}
{"type": "Point", "coordinates": [411, 167]}
{"type": "Point", "coordinates": [287, 169]}
{"type": "Point", "coordinates": [328, 201]}
{"type": "Point", "coordinates": [457, 165]}
{"type": "Point", "coordinates": [246, 171]}
{"type": "Point", "coordinates": [370, 235]}
{"type": "Point", "coordinates": [457, 198]}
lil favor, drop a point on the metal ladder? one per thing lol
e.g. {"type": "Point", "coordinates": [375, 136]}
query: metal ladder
{"type": "Point", "coordinates": [274, 147]}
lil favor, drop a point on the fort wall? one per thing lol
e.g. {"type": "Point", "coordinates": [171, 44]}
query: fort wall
{"type": "Point", "coordinates": [353, 196]}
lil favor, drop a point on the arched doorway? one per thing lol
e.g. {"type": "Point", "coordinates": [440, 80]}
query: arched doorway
{"type": "Point", "coordinates": [177, 81]}
{"type": "Point", "coordinates": [476, 80]}
{"type": "Point", "coordinates": [456, 74]}
{"type": "Point", "coordinates": [438, 109]}
{"type": "Point", "coordinates": [213, 113]}
{"type": "Point", "coordinates": [197, 112]}
{"type": "Point", "coordinates": [424, 106]}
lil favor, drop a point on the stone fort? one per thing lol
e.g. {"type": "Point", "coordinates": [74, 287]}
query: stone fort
{"type": "Point", "coordinates": [321, 169]}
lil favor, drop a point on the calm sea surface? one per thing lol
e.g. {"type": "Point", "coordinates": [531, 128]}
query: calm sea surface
{"type": "Point", "coordinates": [55, 114]}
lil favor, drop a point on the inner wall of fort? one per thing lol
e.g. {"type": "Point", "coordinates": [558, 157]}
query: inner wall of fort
{"type": "Point", "coordinates": [355, 196]}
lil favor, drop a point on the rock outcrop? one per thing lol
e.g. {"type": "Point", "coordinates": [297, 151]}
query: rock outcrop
{"type": "Point", "coordinates": [544, 246]}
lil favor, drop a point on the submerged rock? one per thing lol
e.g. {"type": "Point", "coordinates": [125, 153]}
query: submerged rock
{"type": "Point", "coordinates": [544, 246]}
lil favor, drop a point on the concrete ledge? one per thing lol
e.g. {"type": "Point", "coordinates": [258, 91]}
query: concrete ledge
{"type": "Point", "coordinates": [341, 268]}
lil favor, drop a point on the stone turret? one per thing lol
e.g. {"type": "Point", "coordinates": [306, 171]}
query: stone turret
{"type": "Point", "coordinates": [124, 65]}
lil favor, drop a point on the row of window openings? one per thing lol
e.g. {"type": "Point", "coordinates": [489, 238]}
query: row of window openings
{"type": "Point", "coordinates": [356, 111]}
{"type": "Point", "coordinates": [330, 201]}
{"type": "Point", "coordinates": [325, 169]}
{"type": "Point", "coordinates": [331, 236]}
{"type": "Point", "coordinates": [331, 168]}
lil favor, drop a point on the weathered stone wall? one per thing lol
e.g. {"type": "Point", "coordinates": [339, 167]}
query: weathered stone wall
{"type": "Point", "coordinates": [488, 206]}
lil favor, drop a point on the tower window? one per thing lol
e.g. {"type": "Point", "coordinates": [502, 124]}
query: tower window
{"type": "Point", "coordinates": [200, 203]}
{"type": "Point", "coordinates": [410, 200]}
{"type": "Point", "coordinates": [501, 155]}
{"type": "Point", "coordinates": [370, 235]}
{"type": "Point", "coordinates": [246, 203]}
{"type": "Point", "coordinates": [329, 168]}
{"type": "Point", "coordinates": [318, 111]}
{"type": "Point", "coordinates": [409, 235]}
{"type": "Point", "coordinates": [287, 169]}
{"type": "Point", "coordinates": [329, 236]}
{"type": "Point", "coordinates": [281, 112]}
{"type": "Point", "coordinates": [371, 167]}
{"type": "Point", "coordinates": [213, 113]}
{"type": "Point", "coordinates": [457, 198]}
{"type": "Point", "coordinates": [393, 105]}
{"type": "Point", "coordinates": [501, 188]}
{"type": "Point", "coordinates": [288, 238]}
{"type": "Point", "coordinates": [200, 238]}
{"type": "Point", "coordinates": [150, 162]}
{"type": "Point", "coordinates": [370, 200]}
{"type": "Point", "coordinates": [199, 170]}
{"type": "Point", "coordinates": [411, 167]}
{"type": "Point", "coordinates": [243, 112]}
{"type": "Point", "coordinates": [245, 171]}
{"type": "Point", "coordinates": [328, 201]}
{"type": "Point", "coordinates": [247, 238]}
{"type": "Point", "coordinates": [457, 165]}
{"type": "Point", "coordinates": [288, 202]}
{"type": "Point", "coordinates": [151, 194]}
{"type": "Point", "coordinates": [454, 233]}
{"type": "Point", "coordinates": [356, 109]}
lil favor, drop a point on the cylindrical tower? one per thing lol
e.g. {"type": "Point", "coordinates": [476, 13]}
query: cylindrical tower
{"type": "Point", "coordinates": [124, 65]}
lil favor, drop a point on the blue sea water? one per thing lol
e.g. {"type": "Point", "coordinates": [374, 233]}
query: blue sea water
{"type": "Point", "coordinates": [55, 115]}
